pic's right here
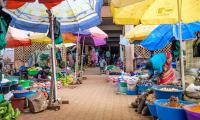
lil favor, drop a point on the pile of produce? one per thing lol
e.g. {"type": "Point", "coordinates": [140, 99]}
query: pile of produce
{"type": "Point", "coordinates": [173, 102]}
{"type": "Point", "coordinates": [168, 89]}
{"type": "Point", "coordinates": [151, 98]}
{"type": "Point", "coordinates": [195, 108]}
{"type": "Point", "coordinates": [7, 112]}
{"type": "Point", "coordinates": [45, 84]}
{"type": "Point", "coordinates": [66, 80]}
{"type": "Point", "coordinates": [145, 82]}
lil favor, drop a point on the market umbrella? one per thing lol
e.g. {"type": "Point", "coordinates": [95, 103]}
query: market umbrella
{"type": "Point", "coordinates": [129, 14]}
{"type": "Point", "coordinates": [163, 34]}
{"type": "Point", "coordinates": [163, 12]}
{"type": "Point", "coordinates": [93, 36]}
{"type": "Point", "coordinates": [42, 38]}
{"type": "Point", "coordinates": [74, 15]}
{"type": "Point", "coordinates": [16, 38]}
{"type": "Point", "coordinates": [140, 32]}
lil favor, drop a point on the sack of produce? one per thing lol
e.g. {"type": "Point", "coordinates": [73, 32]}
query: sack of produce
{"type": "Point", "coordinates": [37, 103]}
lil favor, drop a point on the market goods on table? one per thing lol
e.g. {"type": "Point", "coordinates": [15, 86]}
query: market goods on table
{"type": "Point", "coordinates": [66, 80]}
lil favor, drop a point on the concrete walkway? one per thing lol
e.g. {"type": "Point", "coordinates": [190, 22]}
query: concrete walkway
{"type": "Point", "coordinates": [93, 100]}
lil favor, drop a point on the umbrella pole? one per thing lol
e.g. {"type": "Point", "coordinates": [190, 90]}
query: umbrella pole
{"type": "Point", "coordinates": [82, 57]}
{"type": "Point", "coordinates": [53, 90]}
{"type": "Point", "coordinates": [181, 44]}
{"type": "Point", "coordinates": [76, 64]}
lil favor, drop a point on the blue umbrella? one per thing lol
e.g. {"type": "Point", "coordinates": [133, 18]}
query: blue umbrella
{"type": "Point", "coordinates": [165, 33]}
{"type": "Point", "coordinates": [74, 15]}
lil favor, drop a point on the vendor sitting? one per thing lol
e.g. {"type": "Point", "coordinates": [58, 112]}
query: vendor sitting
{"type": "Point", "coordinates": [160, 68]}
{"type": "Point", "coordinates": [43, 74]}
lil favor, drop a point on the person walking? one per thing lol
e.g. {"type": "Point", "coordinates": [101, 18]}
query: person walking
{"type": "Point", "coordinates": [102, 65]}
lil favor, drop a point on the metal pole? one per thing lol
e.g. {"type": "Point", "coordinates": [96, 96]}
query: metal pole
{"type": "Point", "coordinates": [53, 80]}
{"type": "Point", "coordinates": [77, 50]}
{"type": "Point", "coordinates": [179, 2]}
{"type": "Point", "coordinates": [82, 57]}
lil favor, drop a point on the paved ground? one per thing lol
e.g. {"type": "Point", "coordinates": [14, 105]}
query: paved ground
{"type": "Point", "coordinates": [93, 100]}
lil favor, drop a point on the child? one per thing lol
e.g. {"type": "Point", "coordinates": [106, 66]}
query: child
{"type": "Point", "coordinates": [102, 64]}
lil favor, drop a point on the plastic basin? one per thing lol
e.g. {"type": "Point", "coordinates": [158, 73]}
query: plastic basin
{"type": "Point", "coordinates": [190, 114]}
{"type": "Point", "coordinates": [32, 73]}
{"type": "Point", "coordinates": [160, 94]}
{"type": "Point", "coordinates": [170, 113]}
{"type": "Point", "coordinates": [152, 109]}
{"type": "Point", "coordinates": [143, 88]}
{"type": "Point", "coordinates": [24, 83]}
{"type": "Point", "coordinates": [131, 92]}
{"type": "Point", "coordinates": [26, 94]}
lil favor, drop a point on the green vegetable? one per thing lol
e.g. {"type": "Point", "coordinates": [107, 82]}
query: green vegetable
{"type": "Point", "coordinates": [7, 116]}
{"type": "Point", "coordinates": [3, 110]}
{"type": "Point", "coordinates": [17, 113]}
{"type": "Point", "coordinates": [4, 103]}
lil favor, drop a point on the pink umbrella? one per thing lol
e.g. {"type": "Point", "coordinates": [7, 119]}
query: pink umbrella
{"type": "Point", "coordinates": [93, 36]}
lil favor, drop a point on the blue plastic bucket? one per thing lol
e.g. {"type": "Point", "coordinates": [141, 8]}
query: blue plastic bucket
{"type": "Point", "coordinates": [160, 94]}
{"type": "Point", "coordinates": [170, 113]}
{"type": "Point", "coordinates": [143, 88]}
{"type": "Point", "coordinates": [152, 109]}
{"type": "Point", "coordinates": [131, 92]}
{"type": "Point", "coordinates": [122, 89]}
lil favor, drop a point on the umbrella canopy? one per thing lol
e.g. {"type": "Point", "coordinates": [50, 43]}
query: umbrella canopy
{"type": "Point", "coordinates": [129, 13]}
{"type": "Point", "coordinates": [16, 38]}
{"type": "Point", "coordinates": [42, 38]}
{"type": "Point", "coordinates": [92, 41]}
{"type": "Point", "coordinates": [156, 12]}
{"type": "Point", "coordinates": [140, 32]}
{"type": "Point", "coordinates": [94, 32]}
{"type": "Point", "coordinates": [93, 36]}
{"type": "Point", "coordinates": [122, 3]}
{"type": "Point", "coordinates": [14, 4]}
{"type": "Point", "coordinates": [163, 34]}
{"type": "Point", "coordinates": [74, 15]}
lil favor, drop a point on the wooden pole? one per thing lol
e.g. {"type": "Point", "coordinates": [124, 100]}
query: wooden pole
{"type": "Point", "coordinates": [179, 2]}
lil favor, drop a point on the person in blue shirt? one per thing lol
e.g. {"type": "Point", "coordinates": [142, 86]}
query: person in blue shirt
{"type": "Point", "coordinates": [160, 68]}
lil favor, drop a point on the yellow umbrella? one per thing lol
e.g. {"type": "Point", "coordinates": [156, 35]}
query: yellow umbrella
{"type": "Point", "coordinates": [122, 3]}
{"type": "Point", "coordinates": [156, 12]}
{"type": "Point", "coordinates": [130, 14]}
{"type": "Point", "coordinates": [163, 12]}
{"type": "Point", "coordinates": [166, 12]}
{"type": "Point", "coordinates": [140, 32]}
{"type": "Point", "coordinates": [42, 38]}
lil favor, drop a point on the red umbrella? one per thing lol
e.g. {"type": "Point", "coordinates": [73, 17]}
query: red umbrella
{"type": "Point", "coordinates": [16, 38]}
{"type": "Point", "coordinates": [14, 4]}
